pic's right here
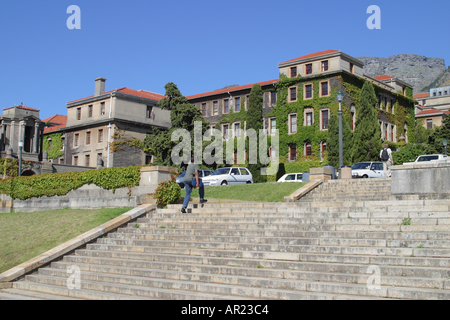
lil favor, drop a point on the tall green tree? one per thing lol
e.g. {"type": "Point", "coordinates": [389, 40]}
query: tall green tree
{"type": "Point", "coordinates": [182, 116]}
{"type": "Point", "coordinates": [367, 135]}
{"type": "Point", "coordinates": [333, 141]}
{"type": "Point", "coordinates": [437, 137]}
{"type": "Point", "coordinates": [254, 121]}
{"type": "Point", "coordinates": [421, 133]}
{"type": "Point", "coordinates": [254, 113]}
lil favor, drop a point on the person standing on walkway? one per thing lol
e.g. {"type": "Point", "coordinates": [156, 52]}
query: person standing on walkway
{"type": "Point", "coordinates": [388, 160]}
{"type": "Point", "coordinates": [192, 181]}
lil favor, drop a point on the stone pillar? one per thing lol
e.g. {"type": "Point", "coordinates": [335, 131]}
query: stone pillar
{"type": "Point", "coordinates": [2, 137]}
{"type": "Point", "coordinates": [21, 134]}
{"type": "Point", "coordinates": [152, 176]}
{"type": "Point", "coordinates": [35, 148]}
{"type": "Point", "coordinates": [323, 174]}
{"type": "Point", "coordinates": [99, 163]}
{"type": "Point", "coordinates": [346, 172]}
{"type": "Point", "coordinates": [12, 132]}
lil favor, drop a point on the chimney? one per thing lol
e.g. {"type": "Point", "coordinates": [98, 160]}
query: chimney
{"type": "Point", "coordinates": [99, 86]}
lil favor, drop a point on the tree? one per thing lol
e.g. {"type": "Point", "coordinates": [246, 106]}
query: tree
{"type": "Point", "coordinates": [367, 135]}
{"type": "Point", "coordinates": [254, 114]}
{"type": "Point", "coordinates": [421, 133]}
{"type": "Point", "coordinates": [254, 121]}
{"type": "Point", "coordinates": [333, 141]}
{"type": "Point", "coordinates": [437, 137]}
{"type": "Point", "coordinates": [182, 116]}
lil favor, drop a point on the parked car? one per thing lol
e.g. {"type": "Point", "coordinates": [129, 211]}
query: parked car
{"type": "Point", "coordinates": [368, 170]}
{"type": "Point", "coordinates": [225, 176]}
{"type": "Point", "coordinates": [201, 174]}
{"type": "Point", "coordinates": [431, 157]}
{"type": "Point", "coordinates": [291, 177]}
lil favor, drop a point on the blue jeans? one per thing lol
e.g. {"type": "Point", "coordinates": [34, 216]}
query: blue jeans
{"type": "Point", "coordinates": [189, 185]}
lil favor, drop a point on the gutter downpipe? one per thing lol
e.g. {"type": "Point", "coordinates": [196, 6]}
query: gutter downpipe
{"type": "Point", "coordinates": [109, 130]}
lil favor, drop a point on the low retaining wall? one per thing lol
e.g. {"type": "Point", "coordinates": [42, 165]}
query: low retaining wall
{"type": "Point", "coordinates": [92, 196]}
{"type": "Point", "coordinates": [426, 178]}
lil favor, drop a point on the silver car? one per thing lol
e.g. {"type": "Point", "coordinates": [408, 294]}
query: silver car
{"type": "Point", "coordinates": [225, 176]}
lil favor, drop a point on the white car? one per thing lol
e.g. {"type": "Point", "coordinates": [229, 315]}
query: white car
{"type": "Point", "coordinates": [291, 177]}
{"type": "Point", "coordinates": [368, 170]}
{"type": "Point", "coordinates": [228, 176]}
{"type": "Point", "coordinates": [431, 157]}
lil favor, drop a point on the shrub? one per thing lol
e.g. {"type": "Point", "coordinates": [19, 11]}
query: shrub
{"type": "Point", "coordinates": [168, 192]}
{"type": "Point", "coordinates": [61, 183]}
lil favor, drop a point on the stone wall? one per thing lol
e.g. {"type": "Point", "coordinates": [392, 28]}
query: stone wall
{"type": "Point", "coordinates": [92, 196]}
{"type": "Point", "coordinates": [429, 178]}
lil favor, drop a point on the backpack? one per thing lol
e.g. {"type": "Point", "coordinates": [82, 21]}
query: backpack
{"type": "Point", "coordinates": [384, 155]}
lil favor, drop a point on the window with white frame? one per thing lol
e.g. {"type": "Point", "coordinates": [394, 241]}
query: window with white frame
{"type": "Point", "coordinates": [293, 123]}
{"type": "Point", "coordinates": [309, 116]}
{"type": "Point", "coordinates": [324, 117]}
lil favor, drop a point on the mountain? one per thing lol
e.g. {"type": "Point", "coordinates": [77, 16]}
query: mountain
{"type": "Point", "coordinates": [419, 71]}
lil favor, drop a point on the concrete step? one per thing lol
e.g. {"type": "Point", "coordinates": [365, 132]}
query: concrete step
{"type": "Point", "coordinates": [211, 255]}
{"type": "Point", "coordinates": [211, 222]}
{"type": "Point", "coordinates": [274, 269]}
{"type": "Point", "coordinates": [244, 287]}
{"type": "Point", "coordinates": [149, 233]}
{"type": "Point", "coordinates": [182, 290]}
{"type": "Point", "coordinates": [224, 274]}
{"type": "Point", "coordinates": [62, 292]}
{"type": "Point", "coordinates": [18, 294]}
{"type": "Point", "coordinates": [291, 241]}
{"type": "Point", "coordinates": [298, 227]}
{"type": "Point", "coordinates": [304, 213]}
{"type": "Point", "coordinates": [240, 249]}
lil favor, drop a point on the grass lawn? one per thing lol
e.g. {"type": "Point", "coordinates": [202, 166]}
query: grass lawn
{"type": "Point", "coordinates": [261, 192]}
{"type": "Point", "coordinates": [24, 236]}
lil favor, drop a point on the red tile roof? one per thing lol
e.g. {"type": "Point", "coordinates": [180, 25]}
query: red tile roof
{"type": "Point", "coordinates": [433, 111]}
{"type": "Point", "coordinates": [421, 95]}
{"type": "Point", "coordinates": [384, 77]}
{"type": "Point", "coordinates": [313, 55]}
{"type": "Point", "coordinates": [22, 107]}
{"type": "Point", "coordinates": [247, 86]}
{"type": "Point", "coordinates": [138, 93]}
{"type": "Point", "coordinates": [59, 119]}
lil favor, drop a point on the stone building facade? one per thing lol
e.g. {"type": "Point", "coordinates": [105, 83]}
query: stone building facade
{"type": "Point", "coordinates": [300, 103]}
{"type": "Point", "coordinates": [21, 123]}
{"type": "Point", "coordinates": [95, 123]}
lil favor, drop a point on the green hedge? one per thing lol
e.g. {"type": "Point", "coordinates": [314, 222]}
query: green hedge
{"type": "Point", "coordinates": [61, 183]}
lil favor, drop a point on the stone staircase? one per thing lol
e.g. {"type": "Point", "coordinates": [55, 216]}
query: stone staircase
{"type": "Point", "coordinates": [322, 247]}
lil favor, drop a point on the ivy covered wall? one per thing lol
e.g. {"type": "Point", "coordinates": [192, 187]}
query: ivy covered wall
{"type": "Point", "coordinates": [53, 144]}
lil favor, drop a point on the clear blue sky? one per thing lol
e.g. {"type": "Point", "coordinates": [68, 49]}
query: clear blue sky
{"type": "Point", "coordinates": [199, 45]}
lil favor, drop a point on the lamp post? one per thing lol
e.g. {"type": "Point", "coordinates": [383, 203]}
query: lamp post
{"type": "Point", "coordinates": [20, 157]}
{"type": "Point", "coordinates": [445, 146]}
{"type": "Point", "coordinates": [339, 98]}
